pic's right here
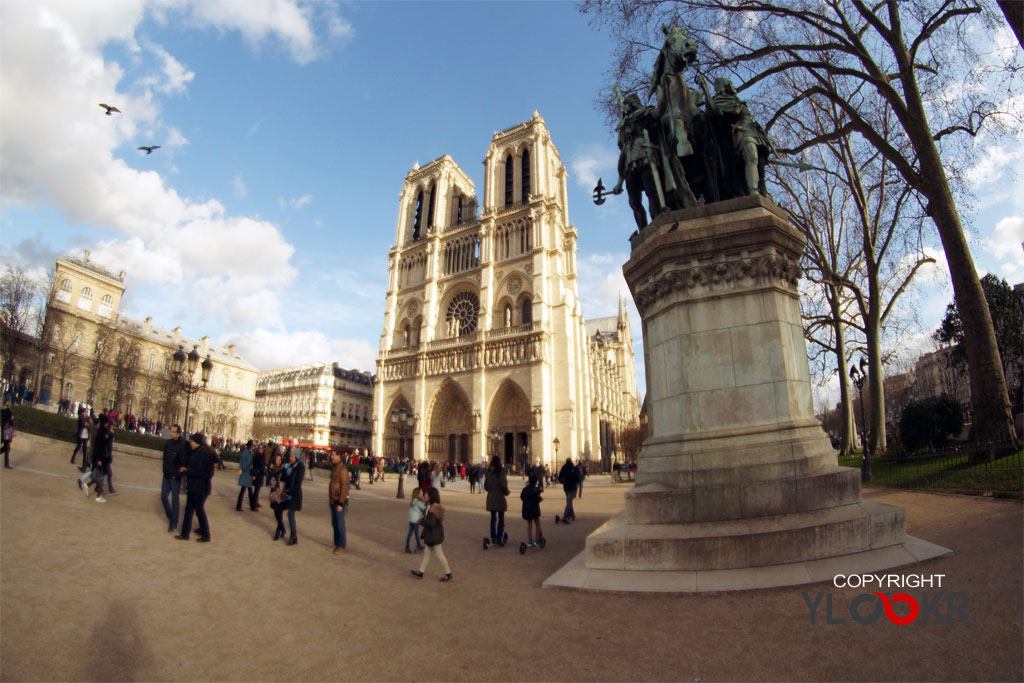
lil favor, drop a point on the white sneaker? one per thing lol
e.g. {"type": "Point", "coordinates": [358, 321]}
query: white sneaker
{"type": "Point", "coordinates": [101, 499]}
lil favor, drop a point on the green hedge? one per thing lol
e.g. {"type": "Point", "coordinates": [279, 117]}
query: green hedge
{"type": "Point", "coordinates": [42, 423]}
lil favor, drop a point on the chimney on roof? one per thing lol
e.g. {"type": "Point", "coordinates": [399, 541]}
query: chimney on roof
{"type": "Point", "coordinates": [85, 256]}
{"type": "Point", "coordinates": [120, 276]}
{"type": "Point", "coordinates": [231, 350]}
{"type": "Point", "coordinates": [177, 333]}
{"type": "Point", "coordinates": [147, 322]}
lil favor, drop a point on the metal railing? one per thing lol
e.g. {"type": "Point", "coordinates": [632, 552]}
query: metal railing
{"type": "Point", "coordinates": [976, 467]}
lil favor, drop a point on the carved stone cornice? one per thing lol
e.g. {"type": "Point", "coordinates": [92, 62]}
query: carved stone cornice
{"type": "Point", "coordinates": [768, 269]}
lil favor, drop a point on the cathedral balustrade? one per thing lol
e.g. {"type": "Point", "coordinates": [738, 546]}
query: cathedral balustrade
{"type": "Point", "coordinates": [497, 353]}
{"type": "Point", "coordinates": [512, 331]}
{"type": "Point", "coordinates": [452, 341]}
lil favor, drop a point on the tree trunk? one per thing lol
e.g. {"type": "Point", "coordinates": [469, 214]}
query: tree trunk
{"type": "Point", "coordinates": [992, 418]}
{"type": "Point", "coordinates": [848, 439]}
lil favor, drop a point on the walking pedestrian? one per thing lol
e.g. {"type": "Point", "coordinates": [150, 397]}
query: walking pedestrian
{"type": "Point", "coordinates": [433, 535]}
{"type": "Point", "coordinates": [200, 475]}
{"type": "Point", "coordinates": [581, 474]}
{"type": "Point", "coordinates": [275, 472]}
{"type": "Point", "coordinates": [175, 463]}
{"type": "Point", "coordinates": [81, 439]}
{"type": "Point", "coordinates": [294, 472]}
{"type": "Point", "coordinates": [245, 477]}
{"type": "Point", "coordinates": [417, 508]}
{"type": "Point", "coordinates": [7, 432]}
{"type": "Point", "coordinates": [102, 454]}
{"type": "Point", "coordinates": [531, 498]}
{"type": "Point", "coordinates": [259, 470]}
{"type": "Point", "coordinates": [496, 486]}
{"type": "Point", "coordinates": [337, 499]}
{"type": "Point", "coordinates": [568, 478]}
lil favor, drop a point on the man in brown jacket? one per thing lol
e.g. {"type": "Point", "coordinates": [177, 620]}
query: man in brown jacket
{"type": "Point", "coordinates": [337, 498]}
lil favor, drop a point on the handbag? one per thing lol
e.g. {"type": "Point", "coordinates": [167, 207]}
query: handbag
{"type": "Point", "coordinates": [277, 495]}
{"type": "Point", "coordinates": [8, 434]}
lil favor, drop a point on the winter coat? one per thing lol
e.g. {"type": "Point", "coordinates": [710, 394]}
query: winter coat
{"type": "Point", "coordinates": [496, 485]}
{"type": "Point", "coordinates": [200, 471]}
{"type": "Point", "coordinates": [531, 501]}
{"type": "Point", "coordinates": [245, 464]}
{"type": "Point", "coordinates": [293, 485]}
{"type": "Point", "coordinates": [417, 508]}
{"type": "Point", "coordinates": [337, 492]}
{"type": "Point", "coordinates": [175, 457]}
{"type": "Point", "coordinates": [103, 448]}
{"type": "Point", "coordinates": [433, 525]}
{"type": "Point", "coordinates": [569, 477]}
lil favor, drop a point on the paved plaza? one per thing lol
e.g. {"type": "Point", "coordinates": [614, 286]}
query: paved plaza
{"type": "Point", "coordinates": [102, 592]}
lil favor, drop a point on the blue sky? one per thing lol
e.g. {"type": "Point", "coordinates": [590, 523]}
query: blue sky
{"type": "Point", "coordinates": [286, 131]}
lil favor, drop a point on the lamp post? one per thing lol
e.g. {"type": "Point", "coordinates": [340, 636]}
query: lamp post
{"type": "Point", "coordinates": [858, 375]}
{"type": "Point", "coordinates": [495, 440]}
{"type": "Point", "coordinates": [554, 465]}
{"type": "Point", "coordinates": [402, 420]}
{"type": "Point", "coordinates": [184, 372]}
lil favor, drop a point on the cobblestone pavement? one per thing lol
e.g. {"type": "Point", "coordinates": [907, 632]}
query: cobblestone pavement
{"type": "Point", "coordinates": [102, 592]}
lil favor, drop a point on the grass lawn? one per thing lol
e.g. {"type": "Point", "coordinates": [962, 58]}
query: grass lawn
{"type": "Point", "coordinates": [947, 472]}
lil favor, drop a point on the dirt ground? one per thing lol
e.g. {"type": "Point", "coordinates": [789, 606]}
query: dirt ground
{"type": "Point", "coordinates": [103, 592]}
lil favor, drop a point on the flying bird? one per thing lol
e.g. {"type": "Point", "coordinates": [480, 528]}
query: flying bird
{"type": "Point", "coordinates": [109, 108]}
{"type": "Point", "coordinates": [149, 150]}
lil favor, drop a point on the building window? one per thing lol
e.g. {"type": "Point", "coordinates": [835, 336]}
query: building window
{"type": "Point", "coordinates": [527, 316]}
{"type": "Point", "coordinates": [64, 291]}
{"type": "Point", "coordinates": [151, 362]}
{"type": "Point", "coordinates": [458, 212]}
{"type": "Point", "coordinates": [85, 299]}
{"type": "Point", "coordinates": [430, 207]}
{"type": "Point", "coordinates": [106, 306]}
{"type": "Point", "coordinates": [463, 312]}
{"type": "Point", "coordinates": [419, 217]}
{"type": "Point", "coordinates": [526, 175]}
{"type": "Point", "coordinates": [224, 383]}
{"type": "Point", "coordinates": [508, 181]}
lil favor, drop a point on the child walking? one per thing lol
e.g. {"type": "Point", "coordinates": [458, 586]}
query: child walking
{"type": "Point", "coordinates": [433, 535]}
{"type": "Point", "coordinates": [531, 509]}
{"type": "Point", "coordinates": [417, 508]}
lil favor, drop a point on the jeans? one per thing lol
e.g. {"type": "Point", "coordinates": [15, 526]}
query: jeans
{"type": "Point", "coordinates": [497, 525]}
{"type": "Point", "coordinates": [110, 477]}
{"type": "Point", "coordinates": [569, 513]}
{"type": "Point", "coordinates": [291, 522]}
{"type": "Point", "coordinates": [195, 503]}
{"type": "Point", "coordinates": [82, 445]}
{"type": "Point", "coordinates": [414, 529]}
{"type": "Point", "coordinates": [338, 522]}
{"type": "Point", "coordinates": [170, 496]}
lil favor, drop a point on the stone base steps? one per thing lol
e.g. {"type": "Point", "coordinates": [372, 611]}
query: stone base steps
{"type": "Point", "coordinates": [575, 575]}
{"type": "Point", "coordinates": [752, 542]}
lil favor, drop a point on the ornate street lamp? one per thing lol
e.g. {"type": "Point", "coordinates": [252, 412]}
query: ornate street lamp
{"type": "Point", "coordinates": [495, 441]}
{"type": "Point", "coordinates": [858, 375]}
{"type": "Point", "coordinates": [402, 420]}
{"type": "Point", "coordinates": [184, 372]}
{"type": "Point", "coordinates": [554, 465]}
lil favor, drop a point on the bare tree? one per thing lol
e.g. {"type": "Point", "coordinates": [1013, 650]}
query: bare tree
{"type": "Point", "coordinates": [127, 346]}
{"type": "Point", "coordinates": [44, 324]}
{"type": "Point", "coordinates": [17, 290]}
{"type": "Point", "coordinates": [913, 65]}
{"type": "Point", "coordinates": [65, 340]}
{"type": "Point", "coordinates": [631, 440]}
{"type": "Point", "coordinates": [103, 351]}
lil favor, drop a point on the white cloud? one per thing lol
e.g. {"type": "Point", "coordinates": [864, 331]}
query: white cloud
{"type": "Point", "coordinates": [238, 186]}
{"type": "Point", "coordinates": [174, 138]}
{"type": "Point", "coordinates": [260, 20]}
{"type": "Point", "coordinates": [301, 201]}
{"type": "Point", "coordinates": [270, 350]}
{"type": "Point", "coordinates": [1005, 244]}
{"type": "Point", "coordinates": [173, 77]}
{"type": "Point", "coordinates": [595, 162]}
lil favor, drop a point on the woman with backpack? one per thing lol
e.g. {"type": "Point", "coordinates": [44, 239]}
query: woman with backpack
{"type": "Point", "coordinates": [433, 535]}
{"type": "Point", "coordinates": [294, 473]}
{"type": "Point", "coordinates": [275, 473]}
{"type": "Point", "coordinates": [496, 486]}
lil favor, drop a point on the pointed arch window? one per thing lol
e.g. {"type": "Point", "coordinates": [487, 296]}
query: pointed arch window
{"type": "Point", "coordinates": [458, 212]}
{"type": "Point", "coordinates": [526, 175]}
{"type": "Point", "coordinates": [508, 181]}
{"type": "Point", "coordinates": [527, 312]}
{"type": "Point", "coordinates": [430, 207]}
{"type": "Point", "coordinates": [419, 217]}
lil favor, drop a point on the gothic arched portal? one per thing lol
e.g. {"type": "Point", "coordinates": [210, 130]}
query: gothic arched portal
{"type": "Point", "coordinates": [508, 428]}
{"type": "Point", "coordinates": [451, 425]}
{"type": "Point", "coordinates": [397, 445]}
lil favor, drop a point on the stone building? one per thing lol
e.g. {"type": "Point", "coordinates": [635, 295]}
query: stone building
{"type": "Point", "coordinates": [98, 356]}
{"type": "Point", "coordinates": [315, 405]}
{"type": "Point", "coordinates": [484, 340]}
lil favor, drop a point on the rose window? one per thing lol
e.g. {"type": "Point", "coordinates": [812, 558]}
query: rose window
{"type": "Point", "coordinates": [463, 312]}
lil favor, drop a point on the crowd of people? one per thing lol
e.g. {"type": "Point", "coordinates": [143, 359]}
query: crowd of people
{"type": "Point", "coordinates": [189, 464]}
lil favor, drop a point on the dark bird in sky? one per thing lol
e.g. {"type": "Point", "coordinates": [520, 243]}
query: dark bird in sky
{"type": "Point", "coordinates": [109, 108]}
{"type": "Point", "coordinates": [149, 150]}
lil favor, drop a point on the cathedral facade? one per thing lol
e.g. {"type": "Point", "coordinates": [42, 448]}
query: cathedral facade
{"type": "Point", "coordinates": [484, 348]}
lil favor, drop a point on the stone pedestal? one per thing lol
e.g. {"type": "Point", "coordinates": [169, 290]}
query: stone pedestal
{"type": "Point", "coordinates": [736, 474]}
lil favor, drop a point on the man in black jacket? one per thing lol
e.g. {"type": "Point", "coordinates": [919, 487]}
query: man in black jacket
{"type": "Point", "coordinates": [175, 463]}
{"type": "Point", "coordinates": [199, 474]}
{"type": "Point", "coordinates": [569, 478]}
{"type": "Point", "coordinates": [82, 439]}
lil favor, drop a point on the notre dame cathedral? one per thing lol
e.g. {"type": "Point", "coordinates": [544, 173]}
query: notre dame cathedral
{"type": "Point", "coordinates": [484, 348]}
